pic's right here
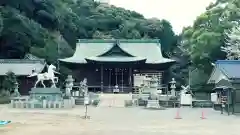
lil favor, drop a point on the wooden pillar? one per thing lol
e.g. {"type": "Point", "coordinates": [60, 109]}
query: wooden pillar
{"type": "Point", "coordinates": [102, 78]}
{"type": "Point", "coordinates": [130, 78]}
{"type": "Point", "coordinates": [109, 79]}
{"type": "Point", "coordinates": [122, 79]}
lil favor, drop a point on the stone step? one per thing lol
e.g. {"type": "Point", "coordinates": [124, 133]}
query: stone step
{"type": "Point", "coordinates": [113, 100]}
{"type": "Point", "coordinates": [79, 101]}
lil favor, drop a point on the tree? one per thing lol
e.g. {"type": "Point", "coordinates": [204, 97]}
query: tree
{"type": "Point", "coordinates": [9, 81]}
{"type": "Point", "coordinates": [204, 39]}
{"type": "Point", "coordinates": [49, 29]}
{"type": "Point", "coordinates": [202, 42]}
{"type": "Point", "coordinates": [232, 43]}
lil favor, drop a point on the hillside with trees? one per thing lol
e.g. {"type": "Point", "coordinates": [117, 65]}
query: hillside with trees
{"type": "Point", "coordinates": [39, 27]}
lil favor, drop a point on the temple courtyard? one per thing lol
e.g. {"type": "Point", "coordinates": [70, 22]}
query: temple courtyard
{"type": "Point", "coordinates": [117, 121]}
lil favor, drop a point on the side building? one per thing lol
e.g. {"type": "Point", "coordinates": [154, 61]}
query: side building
{"type": "Point", "coordinates": [110, 63]}
{"type": "Point", "coordinates": [226, 77]}
{"type": "Point", "coordinates": [21, 68]}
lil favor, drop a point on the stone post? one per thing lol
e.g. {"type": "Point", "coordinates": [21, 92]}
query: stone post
{"type": "Point", "coordinates": [69, 84]}
{"type": "Point", "coordinates": [12, 103]}
{"type": "Point", "coordinates": [49, 104]}
{"type": "Point", "coordinates": [44, 103]}
{"type": "Point", "coordinates": [54, 104]}
{"type": "Point", "coordinates": [32, 104]}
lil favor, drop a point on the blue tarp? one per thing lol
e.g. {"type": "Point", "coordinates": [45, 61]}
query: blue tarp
{"type": "Point", "coordinates": [4, 122]}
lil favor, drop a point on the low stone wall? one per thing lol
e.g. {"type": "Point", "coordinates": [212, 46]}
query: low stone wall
{"type": "Point", "coordinates": [66, 103]}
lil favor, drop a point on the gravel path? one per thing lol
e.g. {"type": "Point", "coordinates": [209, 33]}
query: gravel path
{"type": "Point", "coordinates": [117, 121]}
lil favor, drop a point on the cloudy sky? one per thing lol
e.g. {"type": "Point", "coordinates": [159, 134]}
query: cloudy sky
{"type": "Point", "coordinates": [179, 12]}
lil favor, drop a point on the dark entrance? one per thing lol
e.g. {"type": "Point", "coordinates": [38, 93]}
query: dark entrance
{"type": "Point", "coordinates": [117, 77]}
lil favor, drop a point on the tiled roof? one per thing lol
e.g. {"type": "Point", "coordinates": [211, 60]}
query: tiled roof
{"type": "Point", "coordinates": [20, 66]}
{"type": "Point", "coordinates": [146, 49]}
{"type": "Point", "coordinates": [230, 68]}
{"type": "Point", "coordinates": [116, 59]}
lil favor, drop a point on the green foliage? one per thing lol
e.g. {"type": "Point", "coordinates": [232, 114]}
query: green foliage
{"type": "Point", "coordinates": [96, 102]}
{"type": "Point", "coordinates": [31, 26]}
{"type": "Point", "coordinates": [4, 99]}
{"type": "Point", "coordinates": [9, 81]}
{"type": "Point", "coordinates": [202, 41]}
{"type": "Point", "coordinates": [49, 29]}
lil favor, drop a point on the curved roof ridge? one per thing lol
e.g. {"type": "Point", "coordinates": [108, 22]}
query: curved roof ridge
{"type": "Point", "coordinates": [117, 44]}
{"type": "Point", "coordinates": [120, 40]}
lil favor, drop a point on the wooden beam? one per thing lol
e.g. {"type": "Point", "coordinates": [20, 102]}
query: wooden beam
{"type": "Point", "coordinates": [102, 78]}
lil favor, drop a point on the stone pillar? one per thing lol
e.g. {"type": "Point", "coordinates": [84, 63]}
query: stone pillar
{"type": "Point", "coordinates": [72, 101]}
{"type": "Point", "coordinates": [32, 104]}
{"type": "Point", "coordinates": [55, 104]}
{"type": "Point", "coordinates": [77, 93]}
{"type": "Point", "coordinates": [66, 103]}
{"type": "Point", "coordinates": [44, 103]}
{"type": "Point", "coordinates": [12, 103]}
{"type": "Point", "coordinates": [102, 78]}
{"type": "Point", "coordinates": [49, 104]}
{"type": "Point", "coordinates": [173, 87]}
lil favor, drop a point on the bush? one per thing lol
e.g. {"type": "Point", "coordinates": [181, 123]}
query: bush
{"type": "Point", "coordinates": [5, 100]}
{"type": "Point", "coordinates": [128, 103]}
{"type": "Point", "coordinates": [95, 102]}
{"type": "Point", "coordinates": [204, 104]}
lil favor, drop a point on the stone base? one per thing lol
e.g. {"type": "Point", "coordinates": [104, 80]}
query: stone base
{"type": "Point", "coordinates": [50, 94]}
{"type": "Point", "coordinates": [153, 104]}
{"type": "Point", "coordinates": [45, 91]}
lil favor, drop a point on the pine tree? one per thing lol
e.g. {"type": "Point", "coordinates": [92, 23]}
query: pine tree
{"type": "Point", "coordinates": [9, 81]}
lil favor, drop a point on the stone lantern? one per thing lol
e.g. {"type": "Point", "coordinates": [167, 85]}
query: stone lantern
{"type": "Point", "coordinates": [173, 87]}
{"type": "Point", "coordinates": [16, 92]}
{"type": "Point", "coordinates": [69, 84]}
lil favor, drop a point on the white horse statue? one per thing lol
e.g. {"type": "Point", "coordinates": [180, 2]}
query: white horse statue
{"type": "Point", "coordinates": [49, 75]}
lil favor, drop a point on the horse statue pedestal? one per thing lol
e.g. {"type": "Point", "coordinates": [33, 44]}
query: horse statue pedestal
{"type": "Point", "coordinates": [52, 94]}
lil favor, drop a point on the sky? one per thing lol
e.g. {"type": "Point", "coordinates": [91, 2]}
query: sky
{"type": "Point", "coordinates": [180, 13]}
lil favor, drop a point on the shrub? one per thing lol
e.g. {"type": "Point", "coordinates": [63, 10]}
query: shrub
{"type": "Point", "coordinates": [95, 102]}
{"type": "Point", "coordinates": [5, 100]}
{"type": "Point", "coordinates": [128, 103]}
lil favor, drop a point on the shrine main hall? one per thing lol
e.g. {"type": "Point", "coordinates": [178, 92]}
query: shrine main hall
{"type": "Point", "coordinates": [110, 63]}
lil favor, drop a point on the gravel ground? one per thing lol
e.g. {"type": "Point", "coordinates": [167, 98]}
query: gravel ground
{"type": "Point", "coordinates": [117, 121]}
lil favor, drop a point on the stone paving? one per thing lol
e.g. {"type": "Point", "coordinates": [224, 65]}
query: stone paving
{"type": "Point", "coordinates": [117, 121]}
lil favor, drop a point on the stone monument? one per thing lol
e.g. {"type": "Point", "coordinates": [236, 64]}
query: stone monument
{"type": "Point", "coordinates": [173, 87]}
{"type": "Point", "coordinates": [44, 97]}
{"type": "Point", "coordinates": [68, 85]}
{"type": "Point", "coordinates": [50, 93]}
{"type": "Point", "coordinates": [16, 92]}
{"type": "Point", "coordinates": [83, 86]}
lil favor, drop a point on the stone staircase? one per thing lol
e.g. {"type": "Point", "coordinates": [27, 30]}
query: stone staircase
{"type": "Point", "coordinates": [113, 100]}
